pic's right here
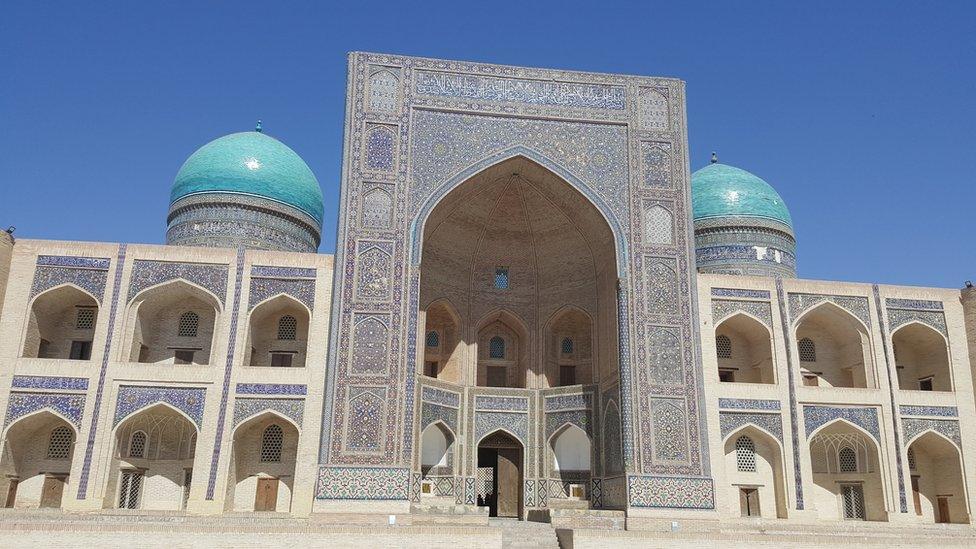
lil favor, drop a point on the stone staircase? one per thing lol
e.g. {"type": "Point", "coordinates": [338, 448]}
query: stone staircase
{"type": "Point", "coordinates": [521, 534]}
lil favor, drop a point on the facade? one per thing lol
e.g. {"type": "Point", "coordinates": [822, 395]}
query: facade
{"type": "Point", "coordinates": [534, 308]}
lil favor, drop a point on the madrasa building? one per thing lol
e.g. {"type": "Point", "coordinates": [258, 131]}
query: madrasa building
{"type": "Point", "coordinates": [535, 310]}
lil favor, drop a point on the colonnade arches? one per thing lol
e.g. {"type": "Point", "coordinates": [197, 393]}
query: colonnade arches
{"type": "Point", "coordinates": [152, 460]}
{"type": "Point", "coordinates": [261, 474]}
{"type": "Point", "coordinates": [848, 482]}
{"type": "Point", "coordinates": [37, 452]}
{"type": "Point", "coordinates": [61, 324]}
{"type": "Point", "coordinates": [938, 487]}
{"type": "Point", "coordinates": [922, 358]}
{"type": "Point", "coordinates": [744, 350]}
{"type": "Point", "coordinates": [833, 348]}
{"type": "Point", "coordinates": [172, 323]}
{"type": "Point", "coordinates": [756, 473]}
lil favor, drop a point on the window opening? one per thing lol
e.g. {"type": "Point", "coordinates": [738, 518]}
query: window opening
{"type": "Point", "coordinates": [723, 346]}
{"type": "Point", "coordinates": [59, 445]}
{"type": "Point", "coordinates": [189, 324]}
{"type": "Point", "coordinates": [808, 350]}
{"type": "Point", "coordinates": [287, 328]}
{"type": "Point", "coordinates": [745, 454]}
{"type": "Point", "coordinates": [271, 443]}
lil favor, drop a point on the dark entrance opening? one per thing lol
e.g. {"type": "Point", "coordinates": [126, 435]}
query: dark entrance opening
{"type": "Point", "coordinates": [500, 475]}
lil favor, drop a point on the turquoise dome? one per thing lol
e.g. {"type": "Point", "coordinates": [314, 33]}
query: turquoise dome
{"type": "Point", "coordinates": [251, 163]}
{"type": "Point", "coordinates": [719, 190]}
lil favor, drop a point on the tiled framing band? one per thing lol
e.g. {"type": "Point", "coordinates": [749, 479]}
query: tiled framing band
{"type": "Point", "coordinates": [902, 501]}
{"type": "Point", "coordinates": [794, 422]}
{"type": "Point", "coordinates": [100, 391]}
{"type": "Point", "coordinates": [225, 391]}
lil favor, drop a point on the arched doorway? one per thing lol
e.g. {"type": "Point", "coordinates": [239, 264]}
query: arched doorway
{"type": "Point", "coordinates": [938, 487]}
{"type": "Point", "coordinates": [61, 324]}
{"type": "Point", "coordinates": [36, 460]}
{"type": "Point", "coordinates": [172, 323]}
{"type": "Point", "coordinates": [754, 468]}
{"type": "Point", "coordinates": [262, 476]}
{"type": "Point", "coordinates": [499, 484]}
{"type": "Point", "coordinates": [846, 473]}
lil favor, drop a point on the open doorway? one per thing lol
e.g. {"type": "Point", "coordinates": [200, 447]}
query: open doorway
{"type": "Point", "coordinates": [500, 475]}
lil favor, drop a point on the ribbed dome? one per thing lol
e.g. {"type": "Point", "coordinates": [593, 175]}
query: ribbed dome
{"type": "Point", "coordinates": [719, 190]}
{"type": "Point", "coordinates": [251, 163]}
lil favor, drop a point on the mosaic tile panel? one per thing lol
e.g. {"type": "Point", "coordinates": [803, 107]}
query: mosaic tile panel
{"type": "Point", "coordinates": [370, 351]}
{"type": "Point", "coordinates": [568, 402]}
{"type": "Point", "coordinates": [50, 382]}
{"type": "Point", "coordinates": [520, 90]}
{"type": "Point", "coordinates": [935, 411]}
{"type": "Point", "coordinates": [367, 411]}
{"type": "Point", "coordinates": [657, 165]}
{"type": "Point", "coordinates": [245, 408]}
{"type": "Point", "coordinates": [90, 280]}
{"type": "Point", "coordinates": [147, 273]}
{"type": "Point", "coordinates": [793, 408]}
{"type": "Point", "coordinates": [369, 483]}
{"type": "Point", "coordinates": [514, 423]}
{"type": "Point", "coordinates": [415, 482]}
{"type": "Point", "coordinates": [669, 428]}
{"type": "Point", "coordinates": [261, 289]}
{"type": "Point", "coordinates": [615, 492]}
{"type": "Point", "coordinates": [77, 262]}
{"type": "Point", "coordinates": [865, 417]}
{"type": "Point", "coordinates": [508, 404]}
{"type": "Point", "coordinates": [671, 492]}
{"type": "Point", "coordinates": [271, 389]}
{"type": "Point", "coordinates": [771, 423]}
{"type": "Point", "coordinates": [664, 356]}
{"type": "Point", "coordinates": [271, 271]}
{"type": "Point", "coordinates": [384, 89]}
{"type": "Point", "coordinates": [661, 283]}
{"type": "Point", "coordinates": [529, 493]}
{"type": "Point", "coordinates": [914, 427]}
{"type": "Point", "coordinates": [380, 147]}
{"type": "Point", "coordinates": [900, 317]}
{"type": "Point", "coordinates": [579, 418]}
{"type": "Point", "coordinates": [658, 223]}
{"type": "Point", "coordinates": [612, 444]}
{"type": "Point", "coordinates": [377, 207]}
{"type": "Point", "coordinates": [374, 275]}
{"type": "Point", "coordinates": [429, 413]}
{"type": "Point", "coordinates": [69, 406]}
{"type": "Point", "coordinates": [748, 404]}
{"type": "Point", "coordinates": [856, 305]}
{"type": "Point", "coordinates": [921, 304]}
{"type": "Point", "coordinates": [736, 292]}
{"type": "Point", "coordinates": [133, 398]}
{"type": "Point", "coordinates": [439, 396]}
{"type": "Point", "coordinates": [723, 308]}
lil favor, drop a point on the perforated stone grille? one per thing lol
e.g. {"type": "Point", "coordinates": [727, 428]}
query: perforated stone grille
{"type": "Point", "coordinates": [287, 328]}
{"type": "Point", "coordinates": [723, 346]}
{"type": "Point", "coordinates": [59, 445]}
{"type": "Point", "coordinates": [745, 455]}
{"type": "Point", "coordinates": [853, 501]}
{"type": "Point", "coordinates": [911, 459]}
{"type": "Point", "coordinates": [808, 350]}
{"type": "Point", "coordinates": [847, 460]}
{"type": "Point", "coordinates": [85, 319]}
{"type": "Point", "coordinates": [496, 347]}
{"type": "Point", "coordinates": [567, 346]}
{"type": "Point", "coordinates": [189, 324]}
{"type": "Point", "coordinates": [501, 278]}
{"type": "Point", "coordinates": [433, 339]}
{"type": "Point", "coordinates": [129, 490]}
{"type": "Point", "coordinates": [137, 445]}
{"type": "Point", "coordinates": [271, 443]}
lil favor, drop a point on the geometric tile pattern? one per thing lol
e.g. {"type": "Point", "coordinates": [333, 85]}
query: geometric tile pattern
{"type": "Point", "coordinates": [723, 308]}
{"type": "Point", "coordinates": [270, 389]}
{"type": "Point", "coordinates": [934, 411]}
{"type": "Point", "coordinates": [899, 317]}
{"type": "Point", "coordinates": [856, 305]}
{"type": "Point", "coordinates": [747, 404]}
{"type": "Point", "coordinates": [865, 417]}
{"type": "Point", "coordinates": [735, 292]}
{"type": "Point", "coordinates": [264, 288]}
{"type": "Point", "coordinates": [147, 273]}
{"type": "Point", "coordinates": [914, 427]}
{"type": "Point", "coordinates": [371, 483]}
{"type": "Point", "coordinates": [50, 382]}
{"type": "Point", "coordinates": [771, 423]}
{"type": "Point", "coordinates": [791, 384]}
{"type": "Point", "coordinates": [671, 492]}
{"type": "Point", "coordinates": [516, 424]}
{"type": "Point", "coordinates": [245, 408]}
{"type": "Point", "coordinates": [134, 398]}
{"type": "Point", "coordinates": [90, 280]}
{"type": "Point", "coordinates": [69, 406]}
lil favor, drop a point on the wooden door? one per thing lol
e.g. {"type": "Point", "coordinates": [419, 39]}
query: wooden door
{"type": "Point", "coordinates": [11, 493]}
{"type": "Point", "coordinates": [51, 491]}
{"type": "Point", "coordinates": [943, 510]}
{"type": "Point", "coordinates": [508, 485]}
{"type": "Point", "coordinates": [916, 496]}
{"type": "Point", "coordinates": [266, 498]}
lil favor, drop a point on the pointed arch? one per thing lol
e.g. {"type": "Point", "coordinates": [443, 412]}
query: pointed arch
{"type": "Point", "coordinates": [61, 286]}
{"type": "Point", "coordinates": [279, 296]}
{"type": "Point", "coordinates": [39, 412]}
{"type": "Point", "coordinates": [845, 354]}
{"type": "Point", "coordinates": [751, 427]}
{"type": "Point", "coordinates": [847, 422]}
{"type": "Point", "coordinates": [922, 357]}
{"type": "Point", "coordinates": [179, 282]}
{"type": "Point", "coordinates": [830, 306]}
{"type": "Point", "coordinates": [50, 331]}
{"type": "Point", "coordinates": [920, 434]}
{"type": "Point", "coordinates": [504, 430]}
{"type": "Point", "coordinates": [749, 356]}
{"type": "Point", "coordinates": [420, 220]}
{"type": "Point", "coordinates": [148, 406]}
{"type": "Point", "coordinates": [260, 416]}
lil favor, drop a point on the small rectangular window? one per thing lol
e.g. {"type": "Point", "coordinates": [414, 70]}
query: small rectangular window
{"type": "Point", "coordinates": [728, 376]}
{"type": "Point", "coordinates": [749, 502]}
{"type": "Point", "coordinates": [183, 356]}
{"type": "Point", "coordinates": [925, 384]}
{"type": "Point", "coordinates": [430, 369]}
{"type": "Point", "coordinates": [811, 380]}
{"type": "Point", "coordinates": [281, 360]}
{"type": "Point", "coordinates": [501, 278]}
{"type": "Point", "coordinates": [567, 375]}
{"type": "Point", "coordinates": [80, 350]}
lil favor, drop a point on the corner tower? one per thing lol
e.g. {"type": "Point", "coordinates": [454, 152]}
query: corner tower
{"type": "Point", "coordinates": [742, 225]}
{"type": "Point", "coordinates": [246, 189]}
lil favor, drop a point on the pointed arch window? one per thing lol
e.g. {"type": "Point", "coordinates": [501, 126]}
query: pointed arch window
{"type": "Point", "coordinates": [808, 350]}
{"type": "Point", "coordinates": [847, 460]}
{"type": "Point", "coordinates": [567, 346]}
{"type": "Point", "coordinates": [189, 324]}
{"type": "Point", "coordinates": [745, 454]}
{"type": "Point", "coordinates": [137, 445]}
{"type": "Point", "coordinates": [496, 347]}
{"type": "Point", "coordinates": [271, 442]}
{"type": "Point", "coordinates": [287, 328]}
{"type": "Point", "coordinates": [59, 445]}
{"type": "Point", "coordinates": [723, 346]}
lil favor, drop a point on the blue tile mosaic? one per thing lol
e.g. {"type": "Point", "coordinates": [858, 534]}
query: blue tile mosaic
{"type": "Point", "coordinates": [569, 402]}
{"type": "Point", "coordinates": [246, 408]}
{"type": "Point", "coordinates": [748, 404]}
{"type": "Point", "coordinates": [147, 273]}
{"type": "Point", "coordinates": [269, 271]}
{"type": "Point", "coordinates": [735, 292]}
{"type": "Point", "coordinates": [440, 396]}
{"type": "Point", "coordinates": [89, 280]}
{"type": "Point", "coordinates": [771, 423]}
{"type": "Point", "coordinates": [520, 90]}
{"type": "Point", "coordinates": [50, 382]}
{"type": "Point", "coordinates": [671, 492]}
{"type": "Point", "coordinates": [815, 416]}
{"type": "Point", "coordinates": [933, 411]}
{"type": "Point", "coordinates": [921, 304]}
{"type": "Point", "coordinates": [69, 406]}
{"type": "Point", "coordinates": [77, 262]}
{"type": "Point", "coordinates": [271, 389]}
{"type": "Point", "coordinates": [915, 427]}
{"type": "Point", "coordinates": [370, 483]}
{"type": "Point", "coordinates": [509, 404]}
{"type": "Point", "coordinates": [133, 398]}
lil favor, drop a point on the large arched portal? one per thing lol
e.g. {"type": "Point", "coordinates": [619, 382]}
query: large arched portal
{"type": "Point", "coordinates": [521, 254]}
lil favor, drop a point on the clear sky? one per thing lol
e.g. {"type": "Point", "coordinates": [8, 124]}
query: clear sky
{"type": "Point", "coordinates": [862, 115]}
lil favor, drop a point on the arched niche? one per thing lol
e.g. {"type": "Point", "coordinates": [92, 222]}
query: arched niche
{"type": "Point", "coordinates": [36, 461]}
{"type": "Point", "coordinates": [842, 356]}
{"type": "Point", "coordinates": [921, 358]}
{"type": "Point", "coordinates": [159, 475]}
{"type": "Point", "coordinates": [847, 479]}
{"type": "Point", "coordinates": [502, 351]}
{"type": "Point", "coordinates": [571, 454]}
{"type": "Point", "coordinates": [744, 350]}
{"type": "Point", "coordinates": [262, 464]}
{"type": "Point", "coordinates": [61, 324]}
{"type": "Point", "coordinates": [172, 323]}
{"type": "Point", "coordinates": [569, 348]}
{"type": "Point", "coordinates": [442, 342]}
{"type": "Point", "coordinates": [278, 333]}
{"type": "Point", "coordinates": [755, 472]}
{"type": "Point", "coordinates": [518, 237]}
{"type": "Point", "coordinates": [938, 487]}
{"type": "Point", "coordinates": [436, 452]}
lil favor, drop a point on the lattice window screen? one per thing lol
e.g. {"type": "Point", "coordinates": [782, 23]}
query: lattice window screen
{"type": "Point", "coordinates": [59, 446]}
{"type": "Point", "coordinates": [745, 454]}
{"type": "Point", "coordinates": [287, 328]}
{"type": "Point", "coordinates": [911, 459]}
{"type": "Point", "coordinates": [137, 445]}
{"type": "Point", "coordinates": [130, 488]}
{"type": "Point", "coordinates": [847, 460]}
{"type": "Point", "coordinates": [808, 350]}
{"type": "Point", "coordinates": [271, 443]}
{"type": "Point", "coordinates": [433, 339]}
{"type": "Point", "coordinates": [189, 324]}
{"type": "Point", "coordinates": [567, 346]}
{"type": "Point", "coordinates": [85, 319]}
{"type": "Point", "coordinates": [723, 346]}
{"type": "Point", "coordinates": [853, 501]}
{"type": "Point", "coordinates": [496, 347]}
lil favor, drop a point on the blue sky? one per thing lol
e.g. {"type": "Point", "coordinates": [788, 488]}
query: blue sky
{"type": "Point", "coordinates": [862, 115]}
